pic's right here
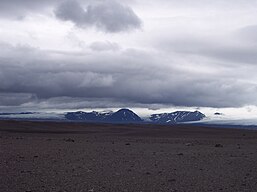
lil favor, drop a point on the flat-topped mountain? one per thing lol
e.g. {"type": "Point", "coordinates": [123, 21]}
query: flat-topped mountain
{"type": "Point", "coordinates": [176, 117]}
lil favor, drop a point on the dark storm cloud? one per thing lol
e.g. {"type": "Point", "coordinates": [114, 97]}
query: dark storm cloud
{"type": "Point", "coordinates": [109, 16]}
{"type": "Point", "coordinates": [117, 79]}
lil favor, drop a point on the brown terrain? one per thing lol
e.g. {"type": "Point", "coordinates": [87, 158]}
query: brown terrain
{"type": "Point", "coordinates": [48, 156]}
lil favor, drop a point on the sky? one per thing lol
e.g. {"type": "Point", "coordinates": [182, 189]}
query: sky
{"type": "Point", "coordinates": [142, 54]}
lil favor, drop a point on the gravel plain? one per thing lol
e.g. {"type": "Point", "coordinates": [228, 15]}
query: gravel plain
{"type": "Point", "coordinates": [50, 156]}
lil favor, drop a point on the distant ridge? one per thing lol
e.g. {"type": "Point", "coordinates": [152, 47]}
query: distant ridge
{"type": "Point", "coordinates": [218, 114]}
{"type": "Point", "coordinates": [21, 113]}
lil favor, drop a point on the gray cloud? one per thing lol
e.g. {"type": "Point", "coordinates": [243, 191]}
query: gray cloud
{"type": "Point", "coordinates": [106, 15]}
{"type": "Point", "coordinates": [109, 16]}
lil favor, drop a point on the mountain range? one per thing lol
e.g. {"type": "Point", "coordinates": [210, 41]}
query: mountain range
{"type": "Point", "coordinates": [121, 116]}
{"type": "Point", "coordinates": [128, 116]}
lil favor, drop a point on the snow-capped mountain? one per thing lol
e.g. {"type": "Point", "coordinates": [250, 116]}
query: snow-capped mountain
{"type": "Point", "coordinates": [177, 117]}
{"type": "Point", "coordinates": [122, 115]}
{"type": "Point", "coordinates": [128, 116]}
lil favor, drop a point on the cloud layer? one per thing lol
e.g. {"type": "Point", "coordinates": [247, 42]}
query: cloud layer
{"type": "Point", "coordinates": [200, 55]}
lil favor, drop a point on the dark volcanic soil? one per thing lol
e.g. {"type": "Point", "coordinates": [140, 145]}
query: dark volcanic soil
{"type": "Point", "coordinates": [46, 156]}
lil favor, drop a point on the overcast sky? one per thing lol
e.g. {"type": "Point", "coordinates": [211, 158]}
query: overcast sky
{"type": "Point", "coordinates": [58, 54]}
